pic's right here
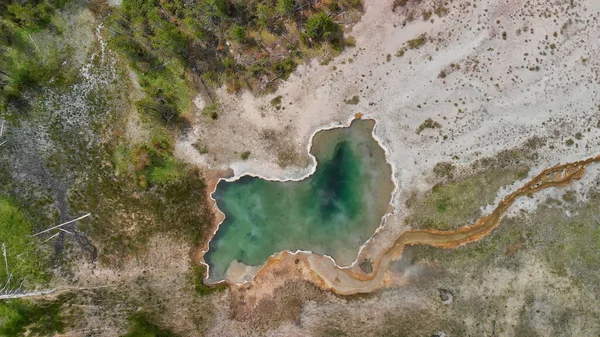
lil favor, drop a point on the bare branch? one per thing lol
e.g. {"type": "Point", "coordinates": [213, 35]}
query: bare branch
{"type": "Point", "coordinates": [37, 48]}
{"type": "Point", "coordinates": [7, 283]}
{"type": "Point", "coordinates": [20, 286]}
{"type": "Point", "coordinates": [596, 218]}
{"type": "Point", "coordinates": [52, 237]}
{"type": "Point", "coordinates": [16, 294]}
{"type": "Point", "coordinates": [31, 294]}
{"type": "Point", "coordinates": [5, 257]}
{"type": "Point", "coordinates": [62, 224]}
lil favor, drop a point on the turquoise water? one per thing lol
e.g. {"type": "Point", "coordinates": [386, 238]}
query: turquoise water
{"type": "Point", "coordinates": [333, 211]}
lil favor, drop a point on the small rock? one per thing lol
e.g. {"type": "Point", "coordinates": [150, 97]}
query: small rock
{"type": "Point", "coordinates": [366, 266]}
{"type": "Point", "coordinates": [446, 296]}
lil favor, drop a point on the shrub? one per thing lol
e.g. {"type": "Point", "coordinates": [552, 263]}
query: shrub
{"type": "Point", "coordinates": [353, 101]}
{"type": "Point", "coordinates": [428, 124]}
{"type": "Point", "coordinates": [417, 42]}
{"type": "Point", "coordinates": [264, 14]}
{"type": "Point", "coordinates": [238, 33]}
{"type": "Point", "coordinates": [350, 41]}
{"type": "Point", "coordinates": [321, 27]}
{"type": "Point", "coordinates": [285, 7]}
{"type": "Point", "coordinates": [211, 111]}
{"type": "Point", "coordinates": [285, 67]}
{"type": "Point", "coordinates": [276, 101]}
{"type": "Point", "coordinates": [444, 169]}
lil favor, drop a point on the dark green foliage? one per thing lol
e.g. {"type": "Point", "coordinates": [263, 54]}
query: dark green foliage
{"type": "Point", "coordinates": [245, 155]}
{"type": "Point", "coordinates": [159, 51]}
{"type": "Point", "coordinates": [41, 318]}
{"type": "Point", "coordinates": [321, 27]}
{"type": "Point", "coordinates": [238, 33]}
{"type": "Point", "coordinates": [285, 7]}
{"type": "Point", "coordinates": [264, 14]}
{"type": "Point", "coordinates": [30, 15]}
{"type": "Point", "coordinates": [285, 67]}
{"type": "Point", "coordinates": [177, 41]}
{"type": "Point", "coordinates": [154, 163]}
{"type": "Point", "coordinates": [142, 325]}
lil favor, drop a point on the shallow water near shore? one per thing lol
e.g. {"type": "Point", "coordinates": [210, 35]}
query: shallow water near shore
{"type": "Point", "coordinates": [331, 212]}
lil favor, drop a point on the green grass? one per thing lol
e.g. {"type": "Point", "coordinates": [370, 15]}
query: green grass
{"type": "Point", "coordinates": [153, 162]}
{"type": "Point", "coordinates": [122, 159]}
{"type": "Point", "coordinates": [457, 203]}
{"type": "Point", "coordinates": [197, 275]}
{"type": "Point", "coordinates": [170, 170]}
{"type": "Point", "coordinates": [25, 261]}
{"type": "Point", "coordinates": [28, 318]}
{"type": "Point", "coordinates": [142, 325]}
{"type": "Point", "coordinates": [569, 245]}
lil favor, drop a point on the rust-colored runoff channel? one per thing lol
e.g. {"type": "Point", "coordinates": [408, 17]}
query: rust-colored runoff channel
{"type": "Point", "coordinates": [322, 271]}
{"type": "Point", "coordinates": [356, 282]}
